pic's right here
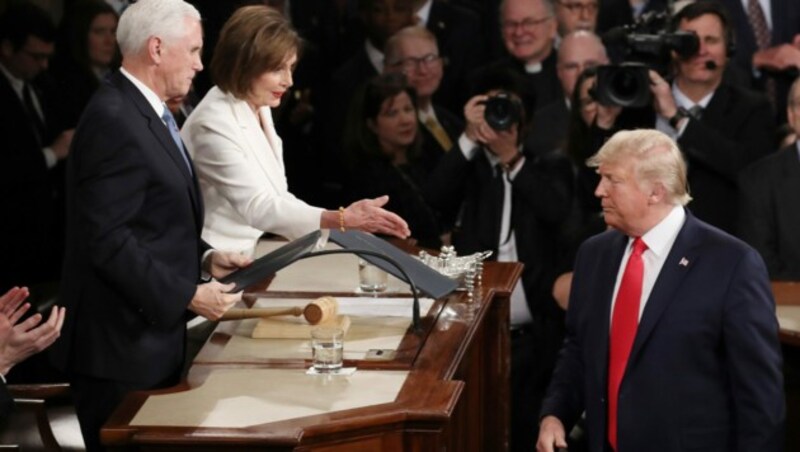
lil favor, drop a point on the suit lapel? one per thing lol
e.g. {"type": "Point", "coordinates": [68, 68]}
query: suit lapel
{"type": "Point", "coordinates": [265, 150]}
{"type": "Point", "coordinates": [682, 257]}
{"type": "Point", "coordinates": [160, 131]}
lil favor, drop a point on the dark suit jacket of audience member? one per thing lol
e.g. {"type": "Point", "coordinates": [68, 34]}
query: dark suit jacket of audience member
{"type": "Point", "coordinates": [769, 220]}
{"type": "Point", "coordinates": [705, 365]}
{"type": "Point", "coordinates": [548, 128]}
{"type": "Point", "coordinates": [537, 89]}
{"type": "Point", "coordinates": [344, 84]}
{"type": "Point", "coordinates": [132, 264]}
{"type": "Point", "coordinates": [458, 35]}
{"type": "Point", "coordinates": [377, 176]}
{"type": "Point", "coordinates": [75, 87]}
{"type": "Point", "coordinates": [541, 199]}
{"type": "Point", "coordinates": [6, 404]}
{"type": "Point", "coordinates": [30, 195]}
{"type": "Point", "coordinates": [432, 153]}
{"type": "Point", "coordinates": [785, 25]}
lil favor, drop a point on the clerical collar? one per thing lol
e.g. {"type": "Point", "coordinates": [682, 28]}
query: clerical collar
{"type": "Point", "coordinates": [533, 68]}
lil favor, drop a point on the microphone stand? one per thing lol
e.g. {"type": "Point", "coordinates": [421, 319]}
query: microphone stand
{"type": "Point", "coordinates": [415, 313]}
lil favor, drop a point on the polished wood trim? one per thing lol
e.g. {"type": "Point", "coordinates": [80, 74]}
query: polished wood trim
{"type": "Point", "coordinates": [456, 396]}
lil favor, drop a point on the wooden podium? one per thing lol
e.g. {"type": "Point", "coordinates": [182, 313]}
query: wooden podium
{"type": "Point", "coordinates": [455, 395]}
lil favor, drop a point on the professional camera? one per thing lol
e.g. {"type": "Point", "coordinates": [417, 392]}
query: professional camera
{"type": "Point", "coordinates": [502, 111]}
{"type": "Point", "coordinates": [647, 44]}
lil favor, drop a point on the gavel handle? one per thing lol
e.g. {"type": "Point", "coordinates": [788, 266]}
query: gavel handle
{"type": "Point", "coordinates": [257, 313]}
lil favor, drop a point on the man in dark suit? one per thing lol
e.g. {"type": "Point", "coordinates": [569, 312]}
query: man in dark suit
{"type": "Point", "coordinates": [459, 37]}
{"type": "Point", "coordinates": [769, 190]}
{"type": "Point", "coordinates": [720, 127]}
{"type": "Point", "coordinates": [780, 57]}
{"type": "Point", "coordinates": [33, 146]}
{"type": "Point", "coordinates": [578, 50]}
{"type": "Point", "coordinates": [20, 339]}
{"type": "Point", "coordinates": [134, 218]}
{"type": "Point", "coordinates": [513, 203]}
{"type": "Point", "coordinates": [672, 339]}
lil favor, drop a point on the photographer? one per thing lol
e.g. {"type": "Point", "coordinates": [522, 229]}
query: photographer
{"type": "Point", "coordinates": [720, 128]}
{"type": "Point", "coordinates": [513, 203]}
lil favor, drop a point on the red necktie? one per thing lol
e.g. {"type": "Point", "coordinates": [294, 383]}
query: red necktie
{"type": "Point", "coordinates": [624, 322]}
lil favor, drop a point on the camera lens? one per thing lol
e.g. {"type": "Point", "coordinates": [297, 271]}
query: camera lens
{"type": "Point", "coordinates": [501, 112]}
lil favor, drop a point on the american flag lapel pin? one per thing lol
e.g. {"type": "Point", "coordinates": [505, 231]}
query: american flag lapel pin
{"type": "Point", "coordinates": [684, 262]}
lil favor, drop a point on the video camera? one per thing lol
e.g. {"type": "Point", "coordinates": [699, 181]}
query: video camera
{"type": "Point", "coordinates": [647, 44]}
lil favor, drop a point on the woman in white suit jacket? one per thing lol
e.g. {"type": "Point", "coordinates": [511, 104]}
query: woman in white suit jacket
{"type": "Point", "coordinates": [237, 153]}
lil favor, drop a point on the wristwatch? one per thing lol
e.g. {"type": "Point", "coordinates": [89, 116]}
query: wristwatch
{"type": "Point", "coordinates": [677, 117]}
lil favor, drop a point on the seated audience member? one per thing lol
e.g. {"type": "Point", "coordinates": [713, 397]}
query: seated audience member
{"type": "Point", "coordinates": [721, 128]}
{"type": "Point", "coordinates": [578, 50]}
{"type": "Point", "coordinates": [767, 36]}
{"type": "Point", "coordinates": [529, 32]}
{"type": "Point", "coordinates": [237, 154]}
{"type": "Point", "coordinates": [413, 52]}
{"type": "Point", "coordinates": [384, 145]}
{"type": "Point", "coordinates": [380, 19]}
{"type": "Point", "coordinates": [21, 339]}
{"type": "Point", "coordinates": [672, 339]}
{"type": "Point", "coordinates": [769, 191]}
{"type": "Point", "coordinates": [31, 184]}
{"type": "Point", "coordinates": [513, 203]}
{"type": "Point", "coordinates": [461, 45]}
{"type": "Point", "coordinates": [574, 15]}
{"type": "Point", "coordinates": [85, 54]}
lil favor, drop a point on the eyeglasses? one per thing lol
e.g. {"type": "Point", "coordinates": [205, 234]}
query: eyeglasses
{"type": "Point", "coordinates": [528, 25]}
{"type": "Point", "coordinates": [415, 63]}
{"type": "Point", "coordinates": [578, 8]}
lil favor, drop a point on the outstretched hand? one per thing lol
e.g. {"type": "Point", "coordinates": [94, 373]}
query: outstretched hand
{"type": "Point", "coordinates": [370, 216]}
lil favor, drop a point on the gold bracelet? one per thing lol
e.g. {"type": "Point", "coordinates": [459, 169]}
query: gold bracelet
{"type": "Point", "coordinates": [341, 219]}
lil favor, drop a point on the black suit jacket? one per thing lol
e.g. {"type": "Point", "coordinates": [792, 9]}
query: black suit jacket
{"type": "Point", "coordinates": [549, 126]}
{"type": "Point", "coordinates": [458, 35]}
{"type": "Point", "coordinates": [30, 196]}
{"type": "Point", "coordinates": [134, 217]}
{"type": "Point", "coordinates": [704, 372]}
{"type": "Point", "coordinates": [769, 221]}
{"type": "Point", "coordinates": [736, 129]}
{"type": "Point", "coordinates": [541, 201]}
{"type": "Point", "coordinates": [785, 25]}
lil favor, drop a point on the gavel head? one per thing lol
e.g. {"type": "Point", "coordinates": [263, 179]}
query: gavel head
{"type": "Point", "coordinates": [321, 310]}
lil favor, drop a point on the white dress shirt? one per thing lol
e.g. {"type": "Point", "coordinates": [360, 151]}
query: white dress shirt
{"type": "Point", "coordinates": [681, 101]}
{"type": "Point", "coordinates": [659, 241]}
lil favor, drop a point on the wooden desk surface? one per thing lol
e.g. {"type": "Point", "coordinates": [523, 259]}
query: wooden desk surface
{"type": "Point", "coordinates": [456, 392]}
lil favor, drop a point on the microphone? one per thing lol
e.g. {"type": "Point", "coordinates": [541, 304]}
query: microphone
{"type": "Point", "coordinates": [712, 65]}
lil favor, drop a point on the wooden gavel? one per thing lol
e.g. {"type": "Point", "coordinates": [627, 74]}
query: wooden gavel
{"type": "Point", "coordinates": [318, 311]}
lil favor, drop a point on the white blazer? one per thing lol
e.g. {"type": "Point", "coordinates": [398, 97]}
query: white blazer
{"type": "Point", "coordinates": [240, 169]}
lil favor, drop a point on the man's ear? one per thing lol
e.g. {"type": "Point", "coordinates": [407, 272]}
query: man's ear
{"type": "Point", "coordinates": [155, 47]}
{"type": "Point", "coordinates": [658, 193]}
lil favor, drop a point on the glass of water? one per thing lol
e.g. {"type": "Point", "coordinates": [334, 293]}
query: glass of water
{"type": "Point", "coordinates": [371, 279]}
{"type": "Point", "coordinates": [326, 347]}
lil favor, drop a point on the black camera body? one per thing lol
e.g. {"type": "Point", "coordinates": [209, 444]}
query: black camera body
{"type": "Point", "coordinates": [502, 111]}
{"type": "Point", "coordinates": [647, 44]}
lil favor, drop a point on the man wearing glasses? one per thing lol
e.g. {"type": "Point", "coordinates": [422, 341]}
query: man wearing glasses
{"type": "Point", "coordinates": [30, 185]}
{"type": "Point", "coordinates": [575, 15]}
{"type": "Point", "coordinates": [528, 29]}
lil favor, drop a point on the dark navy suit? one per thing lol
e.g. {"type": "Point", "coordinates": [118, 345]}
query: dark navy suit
{"type": "Point", "coordinates": [705, 369]}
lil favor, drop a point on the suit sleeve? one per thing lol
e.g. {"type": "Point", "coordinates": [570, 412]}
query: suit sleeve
{"type": "Point", "coordinates": [756, 218]}
{"type": "Point", "coordinates": [565, 397]}
{"type": "Point", "coordinates": [728, 151]}
{"type": "Point", "coordinates": [753, 356]}
{"type": "Point", "coordinates": [222, 161]}
{"type": "Point", "coordinates": [112, 187]}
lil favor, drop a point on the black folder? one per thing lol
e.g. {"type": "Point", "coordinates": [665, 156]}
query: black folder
{"type": "Point", "coordinates": [269, 264]}
{"type": "Point", "coordinates": [427, 280]}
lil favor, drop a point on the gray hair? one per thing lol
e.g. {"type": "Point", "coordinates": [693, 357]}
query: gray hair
{"type": "Point", "coordinates": [657, 157]}
{"type": "Point", "coordinates": [144, 19]}
{"type": "Point", "coordinates": [549, 5]}
{"type": "Point", "coordinates": [584, 34]}
{"type": "Point", "coordinates": [392, 47]}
